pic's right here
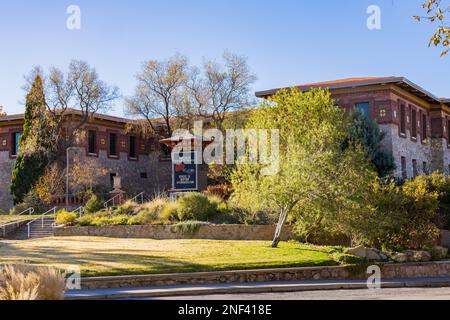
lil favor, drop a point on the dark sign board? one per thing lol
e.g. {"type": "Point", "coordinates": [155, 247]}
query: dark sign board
{"type": "Point", "coordinates": [184, 171]}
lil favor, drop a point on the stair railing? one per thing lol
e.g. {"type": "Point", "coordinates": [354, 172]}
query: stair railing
{"type": "Point", "coordinates": [41, 217]}
{"type": "Point", "coordinates": [112, 200]}
{"type": "Point", "coordinates": [29, 210]}
{"type": "Point", "coordinates": [139, 196]}
{"type": "Point", "coordinates": [79, 210]}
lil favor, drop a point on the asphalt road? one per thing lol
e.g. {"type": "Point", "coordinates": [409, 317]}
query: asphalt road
{"type": "Point", "coordinates": [358, 294]}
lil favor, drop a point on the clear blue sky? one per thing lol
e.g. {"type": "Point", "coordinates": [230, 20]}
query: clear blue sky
{"type": "Point", "coordinates": [287, 41]}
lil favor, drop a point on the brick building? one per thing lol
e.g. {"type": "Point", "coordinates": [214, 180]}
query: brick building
{"type": "Point", "coordinates": [416, 123]}
{"type": "Point", "coordinates": [141, 163]}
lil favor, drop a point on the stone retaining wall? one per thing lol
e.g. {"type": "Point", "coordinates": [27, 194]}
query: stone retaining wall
{"type": "Point", "coordinates": [165, 232]}
{"type": "Point", "coordinates": [388, 271]}
{"type": "Point", "coordinates": [9, 228]}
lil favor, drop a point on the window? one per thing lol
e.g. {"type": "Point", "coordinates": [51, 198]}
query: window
{"type": "Point", "coordinates": [113, 144]}
{"type": "Point", "coordinates": [425, 168]}
{"type": "Point", "coordinates": [414, 124]}
{"type": "Point", "coordinates": [92, 140]}
{"type": "Point", "coordinates": [424, 127]}
{"type": "Point", "coordinates": [363, 108]}
{"type": "Point", "coordinates": [404, 172]}
{"type": "Point", "coordinates": [414, 164]}
{"type": "Point", "coordinates": [143, 175]}
{"type": "Point", "coordinates": [132, 151]}
{"type": "Point", "coordinates": [15, 138]}
{"type": "Point", "coordinates": [403, 119]}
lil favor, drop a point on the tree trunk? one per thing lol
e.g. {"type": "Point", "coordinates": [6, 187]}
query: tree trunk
{"type": "Point", "coordinates": [281, 221]}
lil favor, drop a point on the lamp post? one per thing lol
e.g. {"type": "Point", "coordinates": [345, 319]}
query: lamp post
{"type": "Point", "coordinates": [67, 175]}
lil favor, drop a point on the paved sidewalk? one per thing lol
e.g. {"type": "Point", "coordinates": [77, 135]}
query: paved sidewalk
{"type": "Point", "coordinates": [258, 287]}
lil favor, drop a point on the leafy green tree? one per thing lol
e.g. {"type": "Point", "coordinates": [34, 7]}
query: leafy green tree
{"type": "Point", "coordinates": [315, 173]}
{"type": "Point", "coordinates": [33, 154]}
{"type": "Point", "coordinates": [366, 133]}
{"type": "Point", "coordinates": [2, 113]}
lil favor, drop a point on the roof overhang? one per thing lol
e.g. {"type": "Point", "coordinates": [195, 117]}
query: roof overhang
{"type": "Point", "coordinates": [398, 81]}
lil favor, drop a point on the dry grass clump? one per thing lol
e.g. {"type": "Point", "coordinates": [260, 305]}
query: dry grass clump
{"type": "Point", "coordinates": [20, 282]}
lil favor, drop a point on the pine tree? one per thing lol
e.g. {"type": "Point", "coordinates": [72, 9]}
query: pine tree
{"type": "Point", "coordinates": [32, 158]}
{"type": "Point", "coordinates": [366, 133]}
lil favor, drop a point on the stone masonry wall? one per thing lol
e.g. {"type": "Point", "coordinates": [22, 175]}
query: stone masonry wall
{"type": "Point", "coordinates": [405, 147]}
{"type": "Point", "coordinates": [158, 232]}
{"type": "Point", "coordinates": [6, 167]}
{"type": "Point", "coordinates": [388, 271]}
{"type": "Point", "coordinates": [158, 172]}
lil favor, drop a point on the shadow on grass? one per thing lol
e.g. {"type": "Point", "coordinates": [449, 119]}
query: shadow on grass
{"type": "Point", "coordinates": [99, 262]}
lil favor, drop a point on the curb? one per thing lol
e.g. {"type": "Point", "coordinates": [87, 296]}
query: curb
{"type": "Point", "coordinates": [173, 291]}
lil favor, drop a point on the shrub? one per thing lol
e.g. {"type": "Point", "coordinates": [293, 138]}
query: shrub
{"type": "Point", "coordinates": [227, 215]}
{"type": "Point", "coordinates": [195, 206]}
{"type": "Point", "coordinates": [215, 200]}
{"type": "Point", "coordinates": [155, 207]}
{"type": "Point", "coordinates": [86, 220]}
{"type": "Point", "coordinates": [222, 190]}
{"type": "Point", "coordinates": [31, 283]}
{"type": "Point", "coordinates": [94, 204]}
{"type": "Point", "coordinates": [31, 200]}
{"type": "Point", "coordinates": [128, 208]}
{"type": "Point", "coordinates": [93, 219]}
{"type": "Point", "coordinates": [120, 220]}
{"type": "Point", "coordinates": [169, 212]}
{"type": "Point", "coordinates": [64, 217]}
{"type": "Point", "coordinates": [344, 258]}
{"type": "Point", "coordinates": [189, 227]}
{"type": "Point", "coordinates": [440, 183]}
{"type": "Point", "coordinates": [103, 221]}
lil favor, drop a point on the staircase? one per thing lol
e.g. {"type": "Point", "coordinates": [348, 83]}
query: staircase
{"type": "Point", "coordinates": [42, 228]}
{"type": "Point", "coordinates": [39, 228]}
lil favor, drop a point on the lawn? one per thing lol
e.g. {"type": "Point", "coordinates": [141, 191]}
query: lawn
{"type": "Point", "coordinates": [5, 218]}
{"type": "Point", "coordinates": [105, 256]}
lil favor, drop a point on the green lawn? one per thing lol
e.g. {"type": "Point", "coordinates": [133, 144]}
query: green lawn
{"type": "Point", "coordinates": [105, 256]}
{"type": "Point", "coordinates": [5, 218]}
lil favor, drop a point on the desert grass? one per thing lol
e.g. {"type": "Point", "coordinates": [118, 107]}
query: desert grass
{"type": "Point", "coordinates": [23, 282]}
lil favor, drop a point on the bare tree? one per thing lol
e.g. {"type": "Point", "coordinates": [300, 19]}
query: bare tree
{"type": "Point", "coordinates": [226, 88]}
{"type": "Point", "coordinates": [81, 89]}
{"type": "Point", "coordinates": [159, 92]}
{"type": "Point", "coordinates": [2, 113]}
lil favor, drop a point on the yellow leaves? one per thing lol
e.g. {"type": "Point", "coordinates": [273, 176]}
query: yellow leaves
{"type": "Point", "coordinates": [50, 184]}
{"type": "Point", "coordinates": [436, 13]}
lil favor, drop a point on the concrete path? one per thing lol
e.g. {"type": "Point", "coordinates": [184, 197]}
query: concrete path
{"type": "Point", "coordinates": [347, 295]}
{"type": "Point", "coordinates": [246, 288]}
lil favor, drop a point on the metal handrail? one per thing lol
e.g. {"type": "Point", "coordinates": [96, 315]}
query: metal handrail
{"type": "Point", "coordinates": [111, 200]}
{"type": "Point", "coordinates": [140, 195]}
{"type": "Point", "coordinates": [79, 210]}
{"type": "Point", "coordinates": [42, 219]}
{"type": "Point", "coordinates": [30, 210]}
